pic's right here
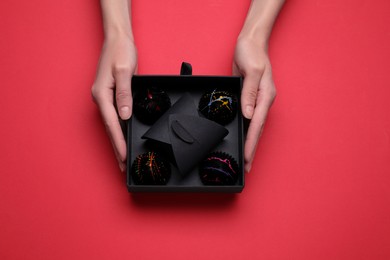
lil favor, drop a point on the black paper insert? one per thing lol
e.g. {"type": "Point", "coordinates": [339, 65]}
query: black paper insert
{"type": "Point", "coordinates": [190, 137]}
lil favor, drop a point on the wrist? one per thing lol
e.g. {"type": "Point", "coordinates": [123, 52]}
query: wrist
{"type": "Point", "coordinates": [259, 21]}
{"type": "Point", "coordinates": [113, 31]}
{"type": "Point", "coordinates": [252, 36]}
{"type": "Point", "coordinates": [116, 18]}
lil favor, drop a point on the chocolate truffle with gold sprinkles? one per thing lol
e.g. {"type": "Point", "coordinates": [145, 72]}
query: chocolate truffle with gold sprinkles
{"type": "Point", "coordinates": [219, 168]}
{"type": "Point", "coordinates": [219, 106]}
{"type": "Point", "coordinates": [150, 103]}
{"type": "Point", "coordinates": [150, 169]}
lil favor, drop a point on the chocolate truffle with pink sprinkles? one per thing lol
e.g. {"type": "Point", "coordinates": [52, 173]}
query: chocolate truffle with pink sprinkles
{"type": "Point", "coordinates": [219, 168]}
{"type": "Point", "coordinates": [150, 103]}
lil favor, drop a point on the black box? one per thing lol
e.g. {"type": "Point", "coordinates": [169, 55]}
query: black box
{"type": "Point", "coordinates": [176, 87]}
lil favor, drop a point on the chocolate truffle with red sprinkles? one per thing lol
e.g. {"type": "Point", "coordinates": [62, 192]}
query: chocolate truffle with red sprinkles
{"type": "Point", "coordinates": [219, 168]}
{"type": "Point", "coordinates": [219, 106]}
{"type": "Point", "coordinates": [150, 103]}
{"type": "Point", "coordinates": [150, 169]}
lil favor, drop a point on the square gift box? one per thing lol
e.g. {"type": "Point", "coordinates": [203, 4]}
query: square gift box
{"type": "Point", "coordinates": [183, 135]}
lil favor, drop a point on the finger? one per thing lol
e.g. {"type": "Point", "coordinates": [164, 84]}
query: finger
{"type": "Point", "coordinates": [264, 102]}
{"type": "Point", "coordinates": [114, 130]}
{"type": "Point", "coordinates": [249, 94]}
{"type": "Point", "coordinates": [123, 92]}
{"type": "Point", "coordinates": [254, 131]}
{"type": "Point", "coordinates": [111, 122]}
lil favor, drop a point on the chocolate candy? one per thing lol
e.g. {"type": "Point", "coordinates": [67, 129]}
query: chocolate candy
{"type": "Point", "coordinates": [219, 168]}
{"type": "Point", "coordinates": [219, 106]}
{"type": "Point", "coordinates": [150, 103]}
{"type": "Point", "coordinates": [150, 169]}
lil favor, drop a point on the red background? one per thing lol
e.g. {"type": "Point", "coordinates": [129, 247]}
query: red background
{"type": "Point", "coordinates": [320, 185]}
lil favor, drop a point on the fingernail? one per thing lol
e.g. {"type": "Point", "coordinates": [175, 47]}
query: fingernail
{"type": "Point", "coordinates": [125, 112]}
{"type": "Point", "coordinates": [248, 168]}
{"type": "Point", "coordinates": [249, 111]}
{"type": "Point", "coordinates": [122, 167]}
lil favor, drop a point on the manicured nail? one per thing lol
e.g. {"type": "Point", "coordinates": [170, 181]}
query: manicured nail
{"type": "Point", "coordinates": [249, 111]}
{"type": "Point", "coordinates": [125, 112]}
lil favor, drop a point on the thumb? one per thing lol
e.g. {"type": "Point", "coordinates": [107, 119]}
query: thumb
{"type": "Point", "coordinates": [123, 93]}
{"type": "Point", "coordinates": [249, 94]}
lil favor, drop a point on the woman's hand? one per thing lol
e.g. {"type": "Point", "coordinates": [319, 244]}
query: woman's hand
{"type": "Point", "coordinates": [118, 62]}
{"type": "Point", "coordinates": [251, 61]}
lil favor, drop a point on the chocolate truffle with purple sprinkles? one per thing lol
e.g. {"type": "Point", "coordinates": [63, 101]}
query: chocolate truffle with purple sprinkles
{"type": "Point", "coordinates": [150, 169]}
{"type": "Point", "coordinates": [219, 168]}
{"type": "Point", "coordinates": [150, 103]}
{"type": "Point", "coordinates": [219, 106]}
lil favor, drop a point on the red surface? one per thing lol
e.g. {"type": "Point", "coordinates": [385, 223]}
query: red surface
{"type": "Point", "coordinates": [320, 186]}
